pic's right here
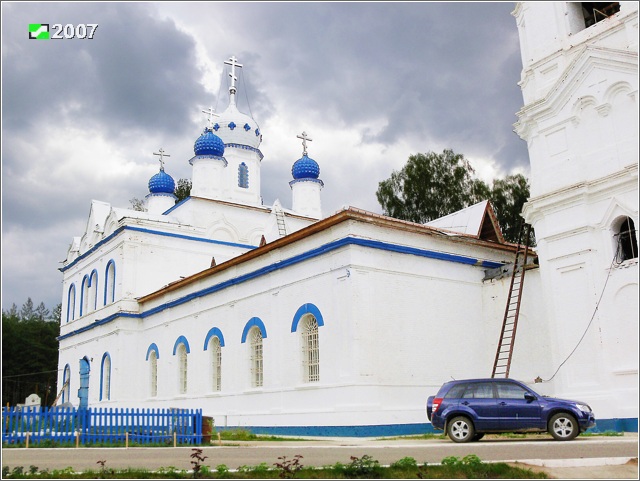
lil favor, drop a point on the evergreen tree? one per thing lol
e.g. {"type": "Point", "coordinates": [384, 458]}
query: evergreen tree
{"type": "Point", "coordinates": [41, 313]}
{"type": "Point", "coordinates": [56, 314]}
{"type": "Point", "coordinates": [27, 313]}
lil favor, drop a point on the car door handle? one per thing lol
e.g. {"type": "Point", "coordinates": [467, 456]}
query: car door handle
{"type": "Point", "coordinates": [466, 403]}
{"type": "Point", "coordinates": [503, 403]}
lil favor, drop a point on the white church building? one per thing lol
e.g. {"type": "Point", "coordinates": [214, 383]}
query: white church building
{"type": "Point", "coordinates": [285, 320]}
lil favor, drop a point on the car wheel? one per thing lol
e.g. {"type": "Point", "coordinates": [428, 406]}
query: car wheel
{"type": "Point", "coordinates": [478, 436]}
{"type": "Point", "coordinates": [563, 427]}
{"type": "Point", "coordinates": [460, 430]}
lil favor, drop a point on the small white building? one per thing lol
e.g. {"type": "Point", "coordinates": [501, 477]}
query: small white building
{"type": "Point", "coordinates": [286, 321]}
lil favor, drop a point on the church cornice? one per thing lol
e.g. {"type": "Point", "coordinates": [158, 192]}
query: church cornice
{"type": "Point", "coordinates": [588, 58]}
{"type": "Point", "coordinates": [580, 193]}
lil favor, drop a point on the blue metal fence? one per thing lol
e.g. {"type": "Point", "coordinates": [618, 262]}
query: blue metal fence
{"type": "Point", "coordinates": [101, 425]}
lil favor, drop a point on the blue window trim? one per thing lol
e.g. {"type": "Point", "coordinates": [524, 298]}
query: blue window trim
{"type": "Point", "coordinates": [214, 331]}
{"type": "Point", "coordinates": [153, 348]}
{"type": "Point", "coordinates": [85, 279]}
{"type": "Point", "coordinates": [111, 280]}
{"type": "Point", "coordinates": [254, 321]}
{"type": "Point", "coordinates": [66, 376]}
{"type": "Point", "coordinates": [291, 261]}
{"type": "Point", "coordinates": [306, 309]}
{"type": "Point", "coordinates": [89, 285]}
{"type": "Point", "coordinates": [95, 288]}
{"type": "Point", "coordinates": [105, 356]}
{"type": "Point", "coordinates": [71, 309]}
{"type": "Point", "coordinates": [181, 340]}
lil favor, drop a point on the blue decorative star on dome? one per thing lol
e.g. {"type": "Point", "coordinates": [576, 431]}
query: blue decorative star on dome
{"type": "Point", "coordinates": [209, 144]}
{"type": "Point", "coordinates": [305, 168]}
{"type": "Point", "coordinates": [162, 183]}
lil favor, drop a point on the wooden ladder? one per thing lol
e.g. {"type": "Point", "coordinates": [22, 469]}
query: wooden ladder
{"type": "Point", "coordinates": [282, 228]}
{"type": "Point", "coordinates": [504, 353]}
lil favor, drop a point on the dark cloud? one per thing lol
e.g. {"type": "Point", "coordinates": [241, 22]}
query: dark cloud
{"type": "Point", "coordinates": [443, 73]}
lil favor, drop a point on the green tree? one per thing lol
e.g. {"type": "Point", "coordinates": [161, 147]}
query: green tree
{"type": "Point", "coordinates": [507, 197]}
{"type": "Point", "coordinates": [183, 189]}
{"type": "Point", "coordinates": [432, 185]}
{"type": "Point", "coordinates": [56, 314]}
{"type": "Point", "coordinates": [137, 204]}
{"type": "Point", "coordinates": [27, 312]}
{"type": "Point", "coordinates": [41, 313]}
{"type": "Point", "coordinates": [429, 186]}
{"type": "Point", "coordinates": [29, 354]}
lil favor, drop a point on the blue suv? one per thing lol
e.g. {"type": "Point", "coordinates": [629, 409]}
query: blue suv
{"type": "Point", "coordinates": [468, 409]}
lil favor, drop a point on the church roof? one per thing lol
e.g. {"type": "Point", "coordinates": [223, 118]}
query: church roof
{"type": "Point", "coordinates": [346, 214]}
{"type": "Point", "coordinates": [478, 220]}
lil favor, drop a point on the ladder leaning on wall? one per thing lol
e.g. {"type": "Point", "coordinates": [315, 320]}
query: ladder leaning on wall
{"type": "Point", "coordinates": [504, 353]}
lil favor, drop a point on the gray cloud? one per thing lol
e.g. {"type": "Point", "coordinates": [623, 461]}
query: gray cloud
{"type": "Point", "coordinates": [81, 118]}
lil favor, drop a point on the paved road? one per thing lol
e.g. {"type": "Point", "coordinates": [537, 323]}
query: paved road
{"type": "Point", "coordinates": [326, 452]}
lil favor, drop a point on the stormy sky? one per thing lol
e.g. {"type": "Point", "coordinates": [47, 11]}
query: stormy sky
{"type": "Point", "coordinates": [371, 83]}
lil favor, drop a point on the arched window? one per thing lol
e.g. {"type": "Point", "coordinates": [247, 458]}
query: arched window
{"type": "Point", "coordinates": [89, 293]}
{"type": "Point", "coordinates": [152, 357]}
{"type": "Point", "coordinates": [627, 241]}
{"type": "Point", "coordinates": [110, 283]}
{"type": "Point", "coordinates": [310, 349]}
{"type": "Point", "coordinates": [182, 368]}
{"type": "Point", "coordinates": [93, 291]}
{"type": "Point", "coordinates": [105, 377]}
{"type": "Point", "coordinates": [71, 303]}
{"type": "Point", "coordinates": [84, 295]}
{"type": "Point", "coordinates": [153, 370]}
{"type": "Point", "coordinates": [243, 176]}
{"type": "Point", "coordinates": [216, 363]}
{"type": "Point", "coordinates": [66, 383]}
{"type": "Point", "coordinates": [255, 344]}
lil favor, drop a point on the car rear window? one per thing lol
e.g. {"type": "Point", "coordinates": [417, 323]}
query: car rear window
{"type": "Point", "coordinates": [455, 392]}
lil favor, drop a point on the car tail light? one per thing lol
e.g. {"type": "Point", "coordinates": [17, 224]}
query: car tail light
{"type": "Point", "coordinates": [436, 404]}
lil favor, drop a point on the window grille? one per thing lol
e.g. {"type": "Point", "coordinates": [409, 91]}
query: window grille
{"type": "Point", "coordinates": [256, 358]}
{"type": "Point", "coordinates": [182, 356]}
{"type": "Point", "coordinates": [216, 363]}
{"type": "Point", "coordinates": [153, 359]}
{"type": "Point", "coordinates": [310, 350]}
{"type": "Point", "coordinates": [627, 242]}
{"type": "Point", "coordinates": [243, 176]}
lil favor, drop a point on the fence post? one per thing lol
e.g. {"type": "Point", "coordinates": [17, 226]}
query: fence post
{"type": "Point", "coordinates": [175, 439]}
{"type": "Point", "coordinates": [27, 440]}
{"type": "Point", "coordinates": [77, 439]}
{"type": "Point", "coordinates": [126, 439]}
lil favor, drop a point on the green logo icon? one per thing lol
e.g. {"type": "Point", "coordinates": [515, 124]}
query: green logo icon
{"type": "Point", "coordinates": [39, 31]}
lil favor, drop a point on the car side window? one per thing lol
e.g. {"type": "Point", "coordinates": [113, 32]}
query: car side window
{"type": "Point", "coordinates": [481, 390]}
{"type": "Point", "coordinates": [510, 391]}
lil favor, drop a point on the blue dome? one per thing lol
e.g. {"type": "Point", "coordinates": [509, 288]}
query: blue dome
{"type": "Point", "coordinates": [305, 168]}
{"type": "Point", "coordinates": [209, 144]}
{"type": "Point", "coordinates": [162, 183]}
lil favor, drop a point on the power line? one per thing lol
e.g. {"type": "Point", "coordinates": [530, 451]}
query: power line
{"type": "Point", "coordinates": [615, 256]}
{"type": "Point", "coordinates": [31, 374]}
